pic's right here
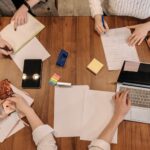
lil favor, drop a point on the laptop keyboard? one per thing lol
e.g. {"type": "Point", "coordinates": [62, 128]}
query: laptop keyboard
{"type": "Point", "coordinates": [139, 97]}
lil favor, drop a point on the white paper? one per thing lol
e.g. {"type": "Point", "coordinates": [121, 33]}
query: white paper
{"type": "Point", "coordinates": [98, 111]}
{"type": "Point", "coordinates": [8, 123]}
{"type": "Point", "coordinates": [23, 34]}
{"type": "Point", "coordinates": [116, 48]}
{"type": "Point", "coordinates": [33, 50]}
{"type": "Point", "coordinates": [68, 110]}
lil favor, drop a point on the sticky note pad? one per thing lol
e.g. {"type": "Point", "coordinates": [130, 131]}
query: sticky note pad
{"type": "Point", "coordinates": [95, 66]}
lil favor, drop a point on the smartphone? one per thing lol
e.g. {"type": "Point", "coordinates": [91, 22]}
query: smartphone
{"type": "Point", "coordinates": [32, 73]}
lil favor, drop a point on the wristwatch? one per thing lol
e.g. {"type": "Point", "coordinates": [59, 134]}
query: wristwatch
{"type": "Point", "coordinates": [29, 8]}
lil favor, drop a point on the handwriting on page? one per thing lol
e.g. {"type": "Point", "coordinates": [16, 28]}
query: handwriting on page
{"type": "Point", "coordinates": [116, 48]}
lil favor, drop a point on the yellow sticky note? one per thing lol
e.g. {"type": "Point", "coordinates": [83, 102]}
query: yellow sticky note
{"type": "Point", "coordinates": [95, 66]}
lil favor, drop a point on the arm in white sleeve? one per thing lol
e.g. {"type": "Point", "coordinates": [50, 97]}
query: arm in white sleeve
{"type": "Point", "coordinates": [43, 138]}
{"type": "Point", "coordinates": [96, 8]}
{"type": "Point", "coordinates": [99, 144]}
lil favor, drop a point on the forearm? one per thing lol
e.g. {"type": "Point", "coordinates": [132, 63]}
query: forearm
{"type": "Point", "coordinates": [96, 8]}
{"type": "Point", "coordinates": [33, 119]}
{"type": "Point", "coordinates": [110, 130]}
{"type": "Point", "coordinates": [32, 2]}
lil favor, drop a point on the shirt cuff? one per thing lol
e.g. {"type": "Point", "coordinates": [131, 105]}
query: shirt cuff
{"type": "Point", "coordinates": [40, 132]}
{"type": "Point", "coordinates": [100, 144]}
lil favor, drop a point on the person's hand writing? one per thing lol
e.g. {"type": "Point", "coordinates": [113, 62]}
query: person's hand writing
{"type": "Point", "coordinates": [20, 17]}
{"type": "Point", "coordinates": [99, 25]}
{"type": "Point", "coordinates": [20, 103]}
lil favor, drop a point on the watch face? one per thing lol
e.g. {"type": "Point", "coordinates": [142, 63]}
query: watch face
{"type": "Point", "coordinates": [5, 89]}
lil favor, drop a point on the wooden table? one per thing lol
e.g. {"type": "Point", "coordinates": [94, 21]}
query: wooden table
{"type": "Point", "coordinates": [76, 35]}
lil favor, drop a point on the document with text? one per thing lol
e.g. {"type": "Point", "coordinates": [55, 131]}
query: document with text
{"type": "Point", "coordinates": [116, 48]}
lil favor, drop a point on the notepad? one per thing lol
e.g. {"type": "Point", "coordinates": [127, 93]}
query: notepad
{"type": "Point", "coordinates": [68, 108]}
{"type": "Point", "coordinates": [23, 34]}
{"type": "Point", "coordinates": [95, 66]}
{"type": "Point", "coordinates": [98, 111]}
{"type": "Point", "coordinates": [116, 48]}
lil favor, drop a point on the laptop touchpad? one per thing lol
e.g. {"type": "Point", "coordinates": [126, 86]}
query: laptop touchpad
{"type": "Point", "coordinates": [140, 114]}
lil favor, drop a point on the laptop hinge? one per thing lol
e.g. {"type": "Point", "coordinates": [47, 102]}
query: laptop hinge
{"type": "Point", "coordinates": [136, 85]}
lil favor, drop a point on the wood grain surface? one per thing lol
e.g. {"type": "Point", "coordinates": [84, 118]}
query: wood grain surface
{"type": "Point", "coordinates": [77, 36]}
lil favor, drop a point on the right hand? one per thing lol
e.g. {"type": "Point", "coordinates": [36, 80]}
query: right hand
{"type": "Point", "coordinates": [122, 104]}
{"type": "Point", "coordinates": [5, 48]}
{"type": "Point", "coordinates": [20, 103]}
{"type": "Point", "coordinates": [99, 25]}
{"type": "Point", "coordinates": [20, 17]}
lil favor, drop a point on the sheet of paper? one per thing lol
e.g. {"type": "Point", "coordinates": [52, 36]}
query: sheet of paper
{"type": "Point", "coordinates": [68, 109]}
{"type": "Point", "coordinates": [116, 48]}
{"type": "Point", "coordinates": [98, 111]}
{"type": "Point", "coordinates": [8, 123]}
{"type": "Point", "coordinates": [23, 34]}
{"type": "Point", "coordinates": [33, 50]}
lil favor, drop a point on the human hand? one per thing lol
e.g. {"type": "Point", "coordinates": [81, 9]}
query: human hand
{"type": "Point", "coordinates": [122, 104]}
{"type": "Point", "coordinates": [99, 25]}
{"type": "Point", "coordinates": [148, 41]}
{"type": "Point", "coordinates": [20, 17]}
{"type": "Point", "coordinates": [139, 34]}
{"type": "Point", "coordinates": [20, 103]}
{"type": "Point", "coordinates": [5, 47]}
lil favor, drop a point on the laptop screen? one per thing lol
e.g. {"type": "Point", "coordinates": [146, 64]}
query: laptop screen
{"type": "Point", "coordinates": [135, 73]}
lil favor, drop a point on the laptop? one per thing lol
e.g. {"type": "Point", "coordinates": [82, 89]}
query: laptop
{"type": "Point", "coordinates": [135, 77]}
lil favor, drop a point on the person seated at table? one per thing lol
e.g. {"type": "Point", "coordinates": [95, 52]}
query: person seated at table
{"type": "Point", "coordinates": [5, 48]}
{"type": "Point", "coordinates": [42, 133]}
{"type": "Point", "coordinates": [122, 106]}
{"type": "Point", "coordinates": [43, 137]}
{"type": "Point", "coordinates": [134, 8]}
{"type": "Point", "coordinates": [22, 6]}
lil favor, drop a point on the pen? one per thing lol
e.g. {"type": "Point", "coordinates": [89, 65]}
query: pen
{"type": "Point", "coordinates": [103, 21]}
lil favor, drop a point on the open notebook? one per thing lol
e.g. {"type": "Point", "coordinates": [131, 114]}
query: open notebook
{"type": "Point", "coordinates": [23, 34]}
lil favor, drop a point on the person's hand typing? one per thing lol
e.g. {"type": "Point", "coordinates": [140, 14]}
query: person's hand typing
{"type": "Point", "coordinates": [122, 104]}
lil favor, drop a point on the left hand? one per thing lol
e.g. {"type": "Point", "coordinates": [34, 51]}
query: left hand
{"type": "Point", "coordinates": [5, 48]}
{"type": "Point", "coordinates": [20, 17]}
{"type": "Point", "coordinates": [139, 33]}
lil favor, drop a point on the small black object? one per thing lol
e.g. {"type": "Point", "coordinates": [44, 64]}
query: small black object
{"type": "Point", "coordinates": [32, 73]}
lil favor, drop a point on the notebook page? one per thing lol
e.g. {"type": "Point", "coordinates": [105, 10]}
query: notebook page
{"type": "Point", "coordinates": [98, 111]}
{"type": "Point", "coordinates": [68, 110]}
{"type": "Point", "coordinates": [23, 34]}
{"type": "Point", "coordinates": [116, 48]}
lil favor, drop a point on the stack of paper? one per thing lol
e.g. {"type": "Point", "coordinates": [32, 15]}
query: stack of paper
{"type": "Point", "coordinates": [68, 108]}
{"type": "Point", "coordinates": [117, 49]}
{"type": "Point", "coordinates": [17, 39]}
{"type": "Point", "coordinates": [82, 112]}
{"type": "Point", "coordinates": [12, 123]}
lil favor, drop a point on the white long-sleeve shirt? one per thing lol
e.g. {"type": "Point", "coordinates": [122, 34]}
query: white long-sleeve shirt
{"type": "Point", "coordinates": [134, 8]}
{"type": "Point", "coordinates": [44, 140]}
